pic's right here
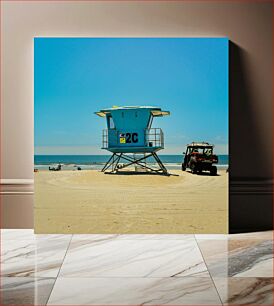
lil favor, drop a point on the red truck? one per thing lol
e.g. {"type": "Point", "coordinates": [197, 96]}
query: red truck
{"type": "Point", "coordinates": [199, 157]}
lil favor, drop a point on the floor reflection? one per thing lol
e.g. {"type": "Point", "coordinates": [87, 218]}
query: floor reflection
{"type": "Point", "coordinates": [136, 269]}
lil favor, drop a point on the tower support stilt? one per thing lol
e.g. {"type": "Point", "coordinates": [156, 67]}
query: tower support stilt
{"type": "Point", "coordinates": [113, 163]}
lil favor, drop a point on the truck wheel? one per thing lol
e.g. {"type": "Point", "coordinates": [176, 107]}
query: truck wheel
{"type": "Point", "coordinates": [213, 170]}
{"type": "Point", "coordinates": [193, 169]}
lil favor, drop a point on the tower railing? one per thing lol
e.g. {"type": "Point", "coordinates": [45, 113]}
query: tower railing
{"type": "Point", "coordinates": [154, 137]}
{"type": "Point", "coordinates": [105, 139]}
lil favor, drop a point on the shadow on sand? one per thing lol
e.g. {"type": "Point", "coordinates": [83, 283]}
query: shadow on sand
{"type": "Point", "coordinates": [202, 173]}
{"type": "Point", "coordinates": [140, 173]}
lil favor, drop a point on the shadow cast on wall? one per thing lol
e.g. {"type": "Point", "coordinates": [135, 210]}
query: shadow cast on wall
{"type": "Point", "coordinates": [250, 190]}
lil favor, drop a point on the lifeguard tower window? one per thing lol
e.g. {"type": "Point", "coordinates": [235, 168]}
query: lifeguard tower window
{"type": "Point", "coordinates": [150, 121]}
{"type": "Point", "coordinates": [111, 124]}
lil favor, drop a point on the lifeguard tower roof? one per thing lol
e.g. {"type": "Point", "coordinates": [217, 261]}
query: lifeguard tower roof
{"type": "Point", "coordinates": [129, 130]}
{"type": "Point", "coordinates": [155, 111]}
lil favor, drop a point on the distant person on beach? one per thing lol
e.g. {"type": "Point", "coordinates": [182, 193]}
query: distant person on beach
{"type": "Point", "coordinates": [58, 168]}
{"type": "Point", "coordinates": [77, 167]}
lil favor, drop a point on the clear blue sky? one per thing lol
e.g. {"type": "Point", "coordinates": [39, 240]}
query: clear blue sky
{"type": "Point", "coordinates": [74, 77]}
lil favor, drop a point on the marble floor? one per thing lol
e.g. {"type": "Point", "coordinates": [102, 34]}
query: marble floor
{"type": "Point", "coordinates": [136, 269]}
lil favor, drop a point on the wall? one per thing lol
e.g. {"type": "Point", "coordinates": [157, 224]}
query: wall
{"type": "Point", "coordinates": [247, 24]}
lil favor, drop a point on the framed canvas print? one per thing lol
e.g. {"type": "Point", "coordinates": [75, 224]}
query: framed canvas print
{"type": "Point", "coordinates": [131, 135]}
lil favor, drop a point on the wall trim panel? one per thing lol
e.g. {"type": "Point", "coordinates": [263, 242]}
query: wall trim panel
{"type": "Point", "coordinates": [249, 186]}
{"type": "Point", "coordinates": [17, 186]}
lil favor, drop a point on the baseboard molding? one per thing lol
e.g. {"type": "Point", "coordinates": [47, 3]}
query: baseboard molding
{"type": "Point", "coordinates": [16, 186]}
{"type": "Point", "coordinates": [250, 186]}
{"type": "Point", "coordinates": [17, 210]}
{"type": "Point", "coordinates": [250, 205]}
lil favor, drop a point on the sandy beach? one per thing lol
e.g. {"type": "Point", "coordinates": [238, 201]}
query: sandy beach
{"type": "Point", "coordinates": [90, 201]}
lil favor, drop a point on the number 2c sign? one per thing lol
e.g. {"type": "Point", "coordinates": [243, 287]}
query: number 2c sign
{"type": "Point", "coordinates": [128, 137]}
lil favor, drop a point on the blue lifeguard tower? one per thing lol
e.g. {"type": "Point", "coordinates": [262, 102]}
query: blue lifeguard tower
{"type": "Point", "coordinates": [130, 137]}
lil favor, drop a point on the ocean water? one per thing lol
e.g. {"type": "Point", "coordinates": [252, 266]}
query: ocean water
{"type": "Point", "coordinates": [70, 162]}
